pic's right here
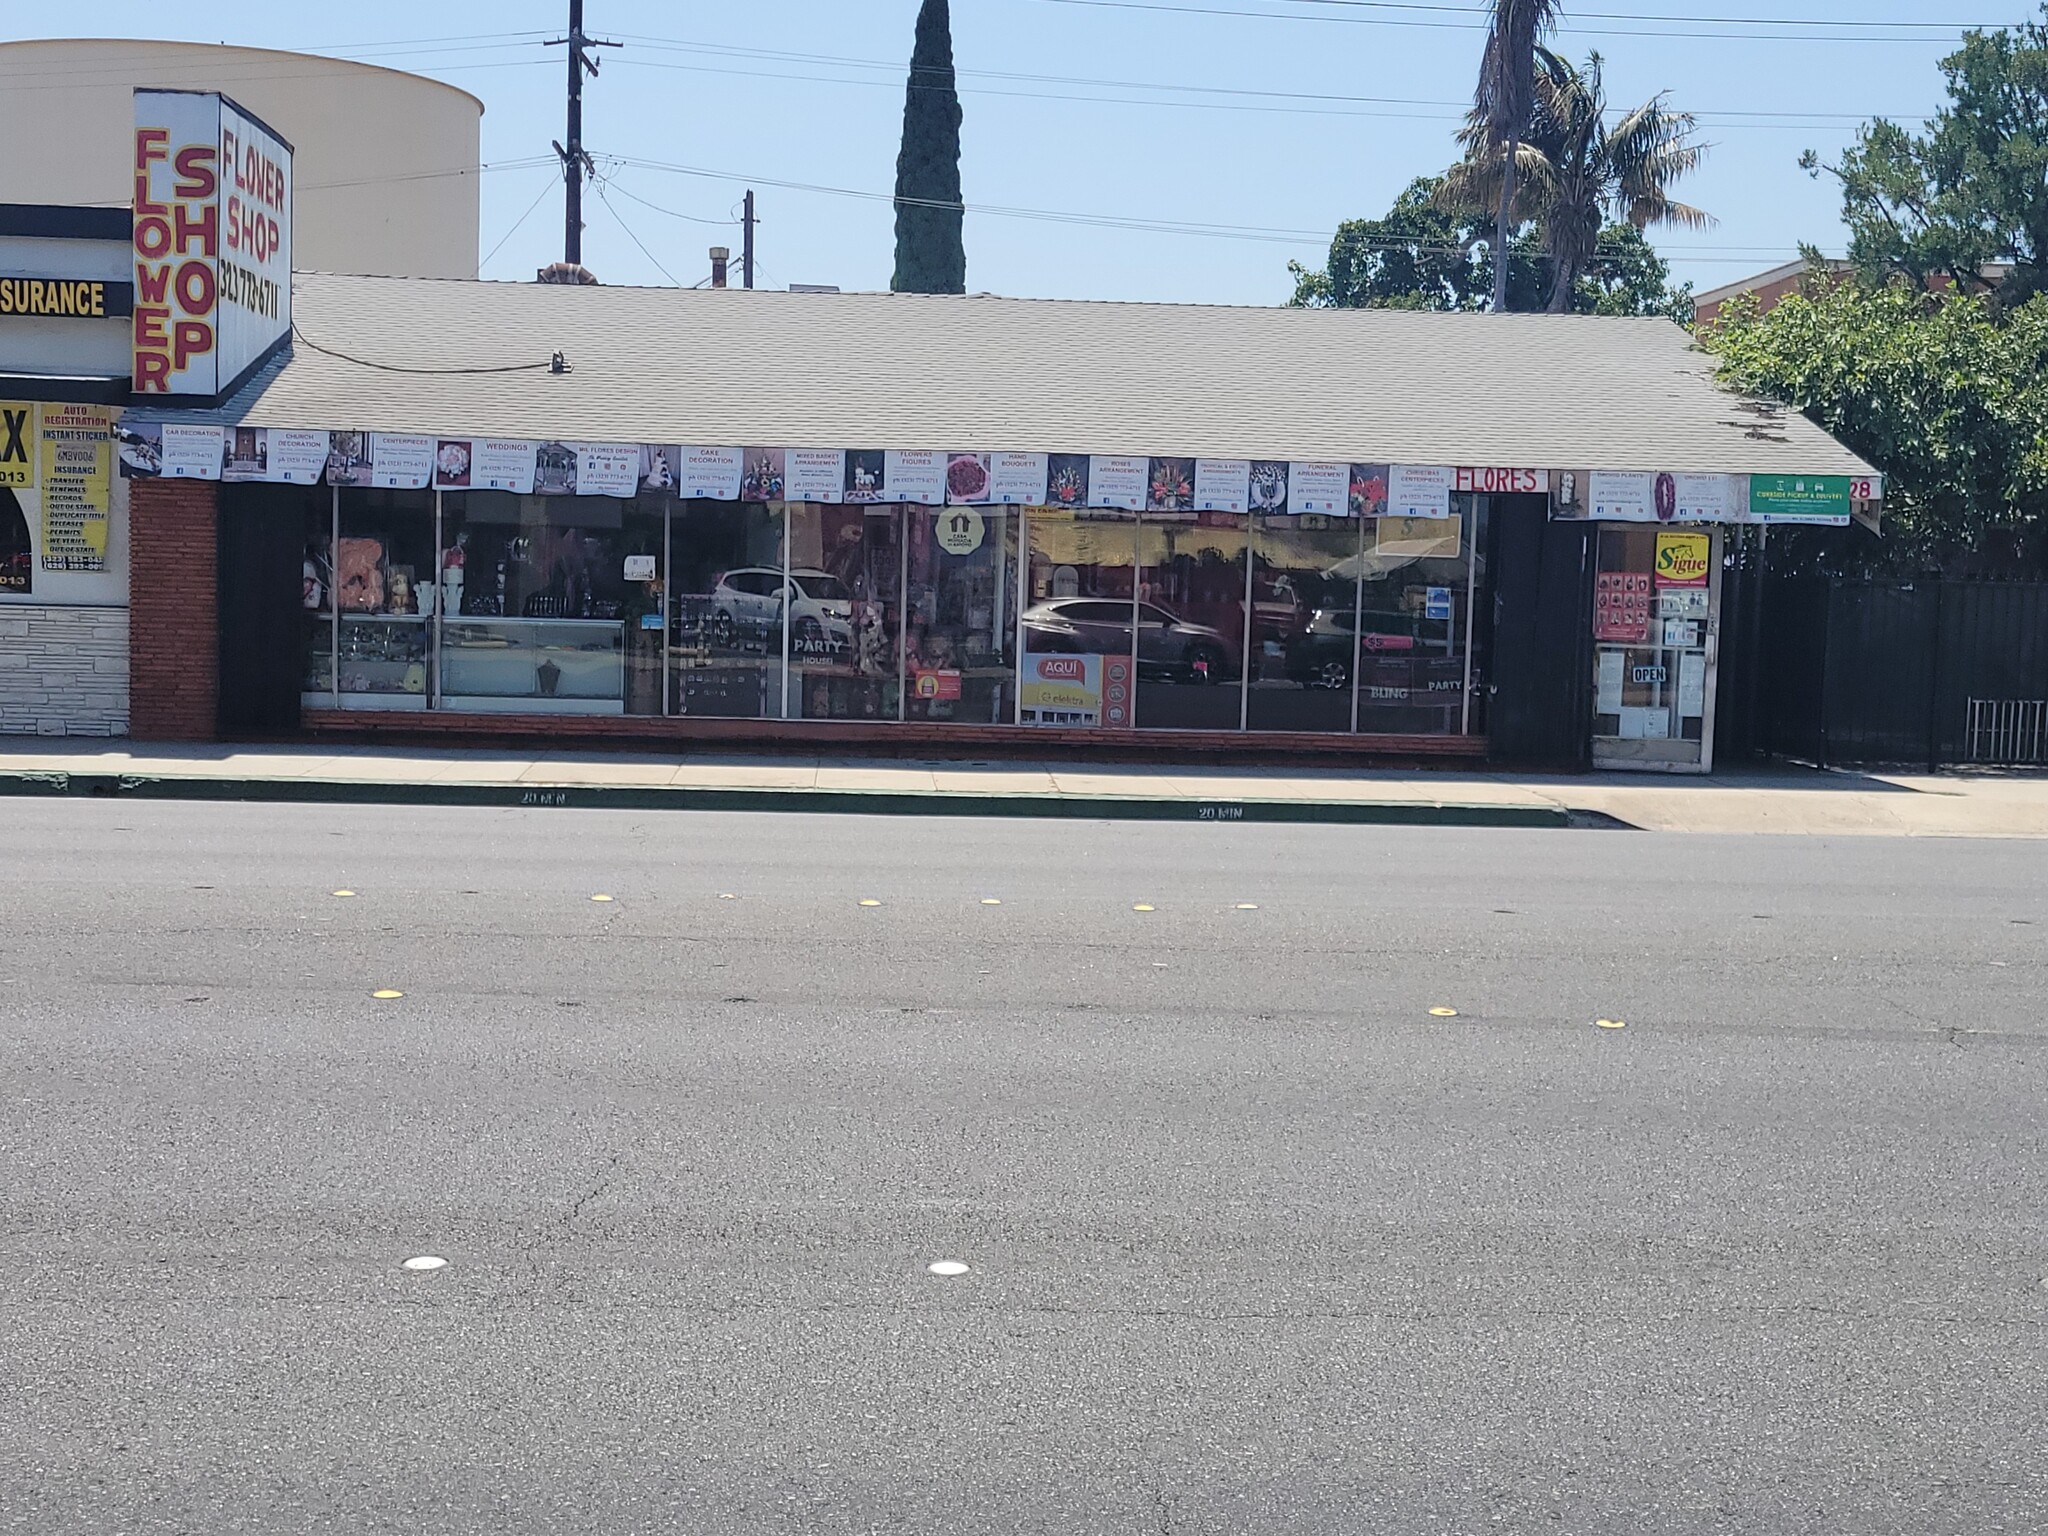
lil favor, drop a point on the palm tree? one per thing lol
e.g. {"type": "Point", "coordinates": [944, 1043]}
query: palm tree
{"type": "Point", "coordinates": [1503, 101]}
{"type": "Point", "coordinates": [1573, 172]}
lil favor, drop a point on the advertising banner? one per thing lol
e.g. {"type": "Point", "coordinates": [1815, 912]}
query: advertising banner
{"type": "Point", "coordinates": [1621, 607]}
{"type": "Point", "coordinates": [1171, 486]}
{"type": "Point", "coordinates": [661, 468]}
{"type": "Point", "coordinates": [1623, 496]}
{"type": "Point", "coordinates": [766, 475]}
{"type": "Point", "coordinates": [866, 476]}
{"type": "Point", "coordinates": [189, 452]}
{"type": "Point", "coordinates": [967, 478]}
{"type": "Point", "coordinates": [1222, 485]}
{"type": "Point", "coordinates": [17, 444]}
{"type": "Point", "coordinates": [915, 475]}
{"type": "Point", "coordinates": [1418, 490]}
{"type": "Point", "coordinates": [1117, 480]}
{"type": "Point", "coordinates": [77, 478]}
{"type": "Point", "coordinates": [212, 243]}
{"type": "Point", "coordinates": [1705, 498]}
{"type": "Point", "coordinates": [1017, 479]}
{"type": "Point", "coordinates": [816, 474]}
{"type": "Point", "coordinates": [1266, 488]}
{"type": "Point", "coordinates": [402, 461]}
{"type": "Point", "coordinates": [1684, 559]}
{"type": "Point", "coordinates": [607, 469]}
{"type": "Point", "coordinates": [1075, 691]}
{"type": "Point", "coordinates": [1316, 489]}
{"type": "Point", "coordinates": [505, 464]}
{"type": "Point", "coordinates": [697, 471]}
{"type": "Point", "coordinates": [1821, 499]}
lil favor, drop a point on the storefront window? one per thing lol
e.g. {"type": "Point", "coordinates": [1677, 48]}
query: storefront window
{"type": "Point", "coordinates": [1304, 623]}
{"type": "Point", "coordinates": [1077, 667]}
{"type": "Point", "coordinates": [316, 600]}
{"type": "Point", "coordinates": [845, 612]}
{"type": "Point", "coordinates": [1191, 614]}
{"type": "Point", "coordinates": [552, 604]}
{"type": "Point", "coordinates": [726, 614]}
{"type": "Point", "coordinates": [382, 560]}
{"type": "Point", "coordinates": [1415, 609]}
{"type": "Point", "coordinates": [960, 653]}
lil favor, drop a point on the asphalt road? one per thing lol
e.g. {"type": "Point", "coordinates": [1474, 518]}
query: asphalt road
{"type": "Point", "coordinates": [1255, 1242]}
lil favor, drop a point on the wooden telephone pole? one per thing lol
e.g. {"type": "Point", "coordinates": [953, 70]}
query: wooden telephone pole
{"type": "Point", "coordinates": [575, 161]}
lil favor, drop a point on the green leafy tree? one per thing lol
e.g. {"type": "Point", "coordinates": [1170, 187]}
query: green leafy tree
{"type": "Point", "coordinates": [1939, 393]}
{"type": "Point", "coordinates": [1421, 257]}
{"type": "Point", "coordinates": [931, 252]}
{"type": "Point", "coordinates": [1503, 101]}
{"type": "Point", "coordinates": [1577, 174]}
{"type": "Point", "coordinates": [1972, 188]}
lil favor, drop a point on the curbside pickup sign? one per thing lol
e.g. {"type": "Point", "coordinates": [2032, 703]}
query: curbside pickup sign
{"type": "Point", "coordinates": [1799, 499]}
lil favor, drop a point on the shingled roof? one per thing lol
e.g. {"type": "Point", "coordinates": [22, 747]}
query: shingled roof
{"type": "Point", "coordinates": [878, 370]}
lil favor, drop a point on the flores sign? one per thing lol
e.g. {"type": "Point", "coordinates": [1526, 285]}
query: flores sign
{"type": "Point", "coordinates": [213, 243]}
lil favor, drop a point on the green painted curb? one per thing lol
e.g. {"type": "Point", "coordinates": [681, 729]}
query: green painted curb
{"type": "Point", "coordinates": [861, 802]}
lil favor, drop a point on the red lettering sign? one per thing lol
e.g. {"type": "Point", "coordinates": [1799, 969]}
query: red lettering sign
{"type": "Point", "coordinates": [1492, 480]}
{"type": "Point", "coordinates": [1064, 668]}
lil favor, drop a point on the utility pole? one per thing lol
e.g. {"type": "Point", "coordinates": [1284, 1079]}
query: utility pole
{"type": "Point", "coordinates": [575, 161]}
{"type": "Point", "coordinates": [747, 242]}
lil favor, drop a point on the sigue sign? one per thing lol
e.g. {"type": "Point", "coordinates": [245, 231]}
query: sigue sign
{"type": "Point", "coordinates": [213, 243]}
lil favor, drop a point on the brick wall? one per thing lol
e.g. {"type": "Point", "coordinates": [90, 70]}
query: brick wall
{"type": "Point", "coordinates": [174, 627]}
{"type": "Point", "coordinates": [63, 671]}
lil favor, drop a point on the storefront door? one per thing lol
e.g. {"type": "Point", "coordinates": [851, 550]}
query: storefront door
{"type": "Point", "coordinates": [1656, 616]}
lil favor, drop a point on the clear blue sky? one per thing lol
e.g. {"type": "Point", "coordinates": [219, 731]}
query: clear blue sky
{"type": "Point", "coordinates": [1208, 119]}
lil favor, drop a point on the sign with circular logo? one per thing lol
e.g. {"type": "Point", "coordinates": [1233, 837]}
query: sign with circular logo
{"type": "Point", "coordinates": [961, 530]}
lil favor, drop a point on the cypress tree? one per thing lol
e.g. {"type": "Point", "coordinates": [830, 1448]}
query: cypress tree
{"type": "Point", "coordinates": [931, 254]}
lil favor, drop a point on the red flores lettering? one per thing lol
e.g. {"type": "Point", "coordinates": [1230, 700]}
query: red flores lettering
{"type": "Point", "coordinates": [1490, 480]}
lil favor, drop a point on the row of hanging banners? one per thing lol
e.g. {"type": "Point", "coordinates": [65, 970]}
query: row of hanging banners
{"type": "Point", "coordinates": [404, 461]}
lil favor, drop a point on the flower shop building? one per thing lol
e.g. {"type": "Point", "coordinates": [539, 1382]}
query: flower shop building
{"type": "Point", "coordinates": [462, 511]}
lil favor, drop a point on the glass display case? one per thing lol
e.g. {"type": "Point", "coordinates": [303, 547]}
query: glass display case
{"type": "Point", "coordinates": [533, 666]}
{"type": "Point", "coordinates": [383, 661]}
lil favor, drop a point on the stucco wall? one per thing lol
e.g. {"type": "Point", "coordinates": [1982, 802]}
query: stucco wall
{"type": "Point", "coordinates": [384, 163]}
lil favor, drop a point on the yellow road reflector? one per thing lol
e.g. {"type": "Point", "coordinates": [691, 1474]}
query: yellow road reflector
{"type": "Point", "coordinates": [1143, 906]}
{"type": "Point", "coordinates": [728, 896]}
{"type": "Point", "coordinates": [1247, 906]}
{"type": "Point", "coordinates": [991, 901]}
{"type": "Point", "coordinates": [1443, 1013]}
{"type": "Point", "coordinates": [600, 898]}
{"type": "Point", "coordinates": [386, 993]}
{"type": "Point", "coordinates": [344, 893]}
{"type": "Point", "coordinates": [869, 901]}
{"type": "Point", "coordinates": [1610, 1024]}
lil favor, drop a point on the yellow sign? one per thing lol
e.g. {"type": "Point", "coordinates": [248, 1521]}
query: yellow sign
{"type": "Point", "coordinates": [1683, 559]}
{"type": "Point", "coordinates": [1419, 538]}
{"type": "Point", "coordinates": [84, 297]}
{"type": "Point", "coordinates": [78, 461]}
{"type": "Point", "coordinates": [17, 444]}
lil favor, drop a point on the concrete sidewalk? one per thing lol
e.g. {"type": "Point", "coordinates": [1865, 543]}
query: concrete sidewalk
{"type": "Point", "coordinates": [1782, 800]}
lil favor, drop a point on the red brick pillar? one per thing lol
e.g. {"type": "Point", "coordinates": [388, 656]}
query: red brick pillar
{"type": "Point", "coordinates": [173, 614]}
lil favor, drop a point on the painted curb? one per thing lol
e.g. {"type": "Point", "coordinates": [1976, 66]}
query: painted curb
{"type": "Point", "coordinates": [860, 802]}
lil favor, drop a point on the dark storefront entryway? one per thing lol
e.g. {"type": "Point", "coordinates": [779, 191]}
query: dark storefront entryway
{"type": "Point", "coordinates": [1540, 714]}
{"type": "Point", "coordinates": [262, 555]}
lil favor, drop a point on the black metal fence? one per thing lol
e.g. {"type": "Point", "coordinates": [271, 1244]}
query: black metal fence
{"type": "Point", "coordinates": [1851, 670]}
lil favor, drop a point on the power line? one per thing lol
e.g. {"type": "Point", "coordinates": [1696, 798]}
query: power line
{"type": "Point", "coordinates": [1713, 21]}
{"type": "Point", "coordinates": [545, 188]}
{"type": "Point", "coordinates": [1252, 232]}
{"type": "Point", "coordinates": [896, 69]}
{"type": "Point", "coordinates": [598, 183]}
{"type": "Point", "coordinates": [1479, 25]}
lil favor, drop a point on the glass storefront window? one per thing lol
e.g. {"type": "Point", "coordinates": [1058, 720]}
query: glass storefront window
{"type": "Point", "coordinates": [1654, 599]}
{"type": "Point", "coordinates": [960, 656]}
{"type": "Point", "coordinates": [726, 614]}
{"type": "Point", "coordinates": [1414, 614]}
{"type": "Point", "coordinates": [316, 600]}
{"type": "Point", "coordinates": [1191, 620]}
{"type": "Point", "coordinates": [382, 559]}
{"type": "Point", "coordinates": [551, 604]}
{"type": "Point", "coordinates": [1076, 670]}
{"type": "Point", "coordinates": [1304, 657]}
{"type": "Point", "coordinates": [845, 612]}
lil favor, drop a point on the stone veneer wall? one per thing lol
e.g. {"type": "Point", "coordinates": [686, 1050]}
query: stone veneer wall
{"type": "Point", "coordinates": [63, 671]}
